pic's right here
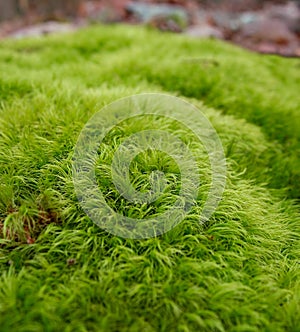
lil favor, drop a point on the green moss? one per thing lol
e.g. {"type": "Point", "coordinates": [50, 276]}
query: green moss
{"type": "Point", "coordinates": [239, 272]}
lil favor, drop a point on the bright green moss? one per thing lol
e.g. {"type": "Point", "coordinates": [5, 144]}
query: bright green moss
{"type": "Point", "coordinates": [239, 272]}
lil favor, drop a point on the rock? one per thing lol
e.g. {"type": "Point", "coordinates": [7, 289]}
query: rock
{"type": "Point", "coordinates": [225, 20]}
{"type": "Point", "coordinates": [230, 23]}
{"type": "Point", "coordinates": [269, 30]}
{"type": "Point", "coordinates": [248, 17]}
{"type": "Point", "coordinates": [146, 13]}
{"type": "Point", "coordinates": [43, 29]}
{"type": "Point", "coordinates": [204, 31]}
{"type": "Point", "coordinates": [288, 13]}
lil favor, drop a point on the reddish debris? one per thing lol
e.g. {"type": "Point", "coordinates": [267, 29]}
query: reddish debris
{"type": "Point", "coordinates": [263, 26]}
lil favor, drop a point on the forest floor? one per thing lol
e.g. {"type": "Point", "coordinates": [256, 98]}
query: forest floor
{"type": "Point", "coordinates": [271, 27]}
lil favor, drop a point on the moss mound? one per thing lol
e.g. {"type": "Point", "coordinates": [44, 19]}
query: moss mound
{"type": "Point", "coordinates": [60, 272]}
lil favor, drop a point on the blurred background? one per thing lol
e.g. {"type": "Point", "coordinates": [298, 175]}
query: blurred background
{"type": "Point", "coordinates": [265, 26]}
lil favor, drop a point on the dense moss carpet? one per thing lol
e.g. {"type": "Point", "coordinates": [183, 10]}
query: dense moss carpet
{"type": "Point", "coordinates": [60, 272]}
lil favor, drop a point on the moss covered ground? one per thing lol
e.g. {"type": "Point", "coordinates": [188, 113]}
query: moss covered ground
{"type": "Point", "coordinates": [60, 272]}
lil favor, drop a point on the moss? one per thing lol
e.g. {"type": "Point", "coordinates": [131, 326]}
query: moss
{"type": "Point", "coordinates": [60, 272]}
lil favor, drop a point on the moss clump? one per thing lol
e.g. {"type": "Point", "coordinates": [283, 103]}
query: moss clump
{"type": "Point", "coordinates": [60, 272]}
